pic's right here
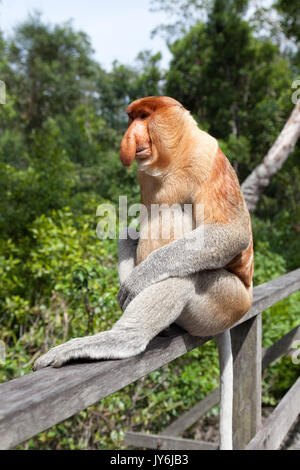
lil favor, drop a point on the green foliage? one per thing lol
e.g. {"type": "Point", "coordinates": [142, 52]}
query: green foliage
{"type": "Point", "coordinates": [40, 56]}
{"type": "Point", "coordinates": [125, 84]}
{"type": "Point", "coordinates": [66, 271]}
{"type": "Point", "coordinates": [43, 185]}
{"type": "Point", "coordinates": [235, 84]}
{"type": "Point", "coordinates": [290, 21]}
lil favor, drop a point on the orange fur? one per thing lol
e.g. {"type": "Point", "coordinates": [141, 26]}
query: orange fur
{"type": "Point", "coordinates": [223, 201]}
{"type": "Point", "coordinates": [220, 193]}
{"type": "Point", "coordinates": [183, 165]}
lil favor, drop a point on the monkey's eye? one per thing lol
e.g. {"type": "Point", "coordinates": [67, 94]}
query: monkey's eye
{"type": "Point", "coordinates": [144, 115]}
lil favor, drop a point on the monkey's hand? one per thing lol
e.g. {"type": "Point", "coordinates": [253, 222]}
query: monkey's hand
{"type": "Point", "coordinates": [110, 344]}
{"type": "Point", "coordinates": [207, 247]}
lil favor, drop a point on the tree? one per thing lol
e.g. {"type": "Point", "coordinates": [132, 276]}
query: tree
{"type": "Point", "coordinates": [44, 184]}
{"type": "Point", "coordinates": [186, 13]}
{"type": "Point", "coordinates": [290, 18]}
{"type": "Point", "coordinates": [51, 70]}
{"type": "Point", "coordinates": [125, 84]}
{"type": "Point", "coordinates": [236, 85]}
{"type": "Point", "coordinates": [260, 177]}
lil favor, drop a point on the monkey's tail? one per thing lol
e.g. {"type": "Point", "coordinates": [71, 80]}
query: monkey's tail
{"type": "Point", "coordinates": [226, 389]}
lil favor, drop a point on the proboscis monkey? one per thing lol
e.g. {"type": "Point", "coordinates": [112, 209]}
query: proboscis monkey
{"type": "Point", "coordinates": [202, 280]}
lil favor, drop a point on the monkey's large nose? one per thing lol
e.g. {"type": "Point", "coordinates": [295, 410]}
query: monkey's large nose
{"type": "Point", "coordinates": [128, 148]}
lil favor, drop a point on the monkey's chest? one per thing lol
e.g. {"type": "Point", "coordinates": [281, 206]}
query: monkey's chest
{"type": "Point", "coordinates": [161, 225]}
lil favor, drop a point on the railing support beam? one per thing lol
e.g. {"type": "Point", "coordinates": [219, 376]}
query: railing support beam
{"type": "Point", "coordinates": [246, 349]}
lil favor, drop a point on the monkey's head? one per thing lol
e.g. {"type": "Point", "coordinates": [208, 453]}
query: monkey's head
{"type": "Point", "coordinates": [154, 128]}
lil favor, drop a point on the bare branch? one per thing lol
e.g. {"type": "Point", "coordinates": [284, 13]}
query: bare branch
{"type": "Point", "coordinates": [260, 177]}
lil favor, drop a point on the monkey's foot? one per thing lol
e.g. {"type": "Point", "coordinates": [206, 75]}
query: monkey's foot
{"type": "Point", "coordinates": [106, 345]}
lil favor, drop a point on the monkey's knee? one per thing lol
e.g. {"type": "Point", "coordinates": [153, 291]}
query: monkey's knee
{"type": "Point", "coordinates": [156, 307]}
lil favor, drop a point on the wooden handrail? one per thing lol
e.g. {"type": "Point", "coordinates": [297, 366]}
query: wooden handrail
{"type": "Point", "coordinates": [280, 348]}
{"type": "Point", "coordinates": [37, 401]}
{"type": "Point", "coordinates": [272, 433]}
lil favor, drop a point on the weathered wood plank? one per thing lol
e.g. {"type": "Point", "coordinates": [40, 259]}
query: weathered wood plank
{"type": "Point", "coordinates": [269, 293]}
{"type": "Point", "coordinates": [279, 422]}
{"type": "Point", "coordinates": [35, 402]}
{"type": "Point", "coordinates": [246, 350]}
{"type": "Point", "coordinates": [281, 347]}
{"type": "Point", "coordinates": [157, 441]}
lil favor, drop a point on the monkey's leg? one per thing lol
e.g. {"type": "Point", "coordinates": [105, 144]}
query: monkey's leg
{"type": "Point", "coordinates": [209, 303]}
{"type": "Point", "coordinates": [217, 299]}
{"type": "Point", "coordinates": [150, 312]}
{"type": "Point", "coordinates": [203, 304]}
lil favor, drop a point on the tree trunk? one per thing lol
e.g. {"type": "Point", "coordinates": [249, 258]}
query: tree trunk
{"type": "Point", "coordinates": [260, 177]}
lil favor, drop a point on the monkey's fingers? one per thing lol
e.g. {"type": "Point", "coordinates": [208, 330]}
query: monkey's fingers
{"type": "Point", "coordinates": [59, 358]}
{"type": "Point", "coordinates": [127, 302]}
{"type": "Point", "coordinates": [106, 345]}
{"type": "Point", "coordinates": [59, 355]}
{"type": "Point", "coordinates": [122, 296]}
{"type": "Point", "coordinates": [43, 361]}
{"type": "Point", "coordinates": [49, 358]}
{"type": "Point", "coordinates": [125, 296]}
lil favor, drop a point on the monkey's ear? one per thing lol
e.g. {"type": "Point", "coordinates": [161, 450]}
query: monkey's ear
{"type": "Point", "coordinates": [128, 147]}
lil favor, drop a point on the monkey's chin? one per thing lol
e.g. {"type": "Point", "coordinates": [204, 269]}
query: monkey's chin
{"type": "Point", "coordinates": [143, 163]}
{"type": "Point", "coordinates": [146, 167]}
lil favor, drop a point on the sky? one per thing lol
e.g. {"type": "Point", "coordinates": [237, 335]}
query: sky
{"type": "Point", "coordinates": [118, 29]}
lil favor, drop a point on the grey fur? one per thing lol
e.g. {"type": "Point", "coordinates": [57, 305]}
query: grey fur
{"type": "Point", "coordinates": [197, 251]}
{"type": "Point", "coordinates": [127, 254]}
{"type": "Point", "coordinates": [192, 301]}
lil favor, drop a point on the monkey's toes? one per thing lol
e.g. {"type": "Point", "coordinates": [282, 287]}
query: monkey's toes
{"type": "Point", "coordinates": [43, 361]}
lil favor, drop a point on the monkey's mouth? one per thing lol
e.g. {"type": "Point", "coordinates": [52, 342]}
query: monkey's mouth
{"type": "Point", "coordinates": [143, 152]}
{"type": "Point", "coordinates": [143, 159]}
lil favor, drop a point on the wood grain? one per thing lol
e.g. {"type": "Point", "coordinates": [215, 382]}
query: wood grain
{"type": "Point", "coordinates": [37, 401]}
{"type": "Point", "coordinates": [272, 353]}
{"type": "Point", "coordinates": [157, 441]}
{"type": "Point", "coordinates": [246, 350]}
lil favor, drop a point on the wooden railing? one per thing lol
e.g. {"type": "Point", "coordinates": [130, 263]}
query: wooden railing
{"type": "Point", "coordinates": [37, 401]}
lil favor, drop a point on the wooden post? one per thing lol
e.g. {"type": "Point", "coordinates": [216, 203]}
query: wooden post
{"type": "Point", "coordinates": [247, 364]}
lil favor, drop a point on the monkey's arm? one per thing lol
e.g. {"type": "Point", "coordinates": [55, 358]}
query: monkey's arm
{"type": "Point", "coordinates": [211, 247]}
{"type": "Point", "coordinates": [127, 254]}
